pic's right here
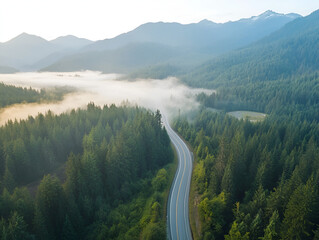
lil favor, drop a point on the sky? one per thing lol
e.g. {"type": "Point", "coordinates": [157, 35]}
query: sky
{"type": "Point", "coordinates": [101, 19]}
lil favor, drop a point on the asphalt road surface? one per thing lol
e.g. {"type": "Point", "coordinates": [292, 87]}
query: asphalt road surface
{"type": "Point", "coordinates": [177, 210]}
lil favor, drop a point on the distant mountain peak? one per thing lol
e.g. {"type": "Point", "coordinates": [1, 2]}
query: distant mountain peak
{"type": "Point", "coordinates": [265, 15]}
{"type": "Point", "coordinates": [25, 35]}
{"type": "Point", "coordinates": [206, 22]}
{"type": "Point", "coordinates": [70, 37]}
{"type": "Point", "coordinates": [26, 38]}
{"type": "Point", "coordinates": [66, 36]}
{"type": "Point", "coordinates": [270, 14]}
{"type": "Point", "coordinates": [71, 42]}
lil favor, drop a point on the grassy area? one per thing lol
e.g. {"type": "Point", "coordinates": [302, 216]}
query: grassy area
{"type": "Point", "coordinates": [248, 115]}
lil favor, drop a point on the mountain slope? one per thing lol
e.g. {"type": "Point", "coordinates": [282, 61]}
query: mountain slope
{"type": "Point", "coordinates": [205, 35]}
{"type": "Point", "coordinates": [25, 52]}
{"type": "Point", "coordinates": [294, 49]}
{"type": "Point", "coordinates": [196, 43]}
{"type": "Point", "coordinates": [71, 42]}
{"type": "Point", "coordinates": [6, 69]}
{"type": "Point", "coordinates": [130, 57]}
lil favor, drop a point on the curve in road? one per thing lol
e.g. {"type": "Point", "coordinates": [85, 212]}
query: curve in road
{"type": "Point", "coordinates": [177, 210]}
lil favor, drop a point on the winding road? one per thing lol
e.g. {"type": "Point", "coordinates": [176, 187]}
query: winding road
{"type": "Point", "coordinates": [177, 208]}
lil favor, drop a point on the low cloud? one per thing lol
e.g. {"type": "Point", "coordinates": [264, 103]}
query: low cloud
{"type": "Point", "coordinates": [169, 95]}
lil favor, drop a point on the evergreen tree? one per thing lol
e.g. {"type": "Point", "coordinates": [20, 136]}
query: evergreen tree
{"type": "Point", "coordinates": [50, 208]}
{"type": "Point", "coordinates": [297, 223]}
{"type": "Point", "coordinates": [272, 230]}
{"type": "Point", "coordinates": [234, 233]}
{"type": "Point", "coordinates": [68, 232]}
{"type": "Point", "coordinates": [17, 228]}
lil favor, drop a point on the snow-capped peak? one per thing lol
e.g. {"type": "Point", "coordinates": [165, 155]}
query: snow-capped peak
{"type": "Point", "coordinates": [265, 15]}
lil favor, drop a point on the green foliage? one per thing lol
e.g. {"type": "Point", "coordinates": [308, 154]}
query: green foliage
{"type": "Point", "coordinates": [154, 232]}
{"type": "Point", "coordinates": [268, 170]}
{"type": "Point", "coordinates": [212, 213]}
{"type": "Point", "coordinates": [271, 231]}
{"type": "Point", "coordinates": [277, 75]}
{"type": "Point", "coordinates": [68, 230]}
{"type": "Point", "coordinates": [114, 180]}
{"type": "Point", "coordinates": [10, 95]}
{"type": "Point", "coordinates": [15, 228]}
{"type": "Point", "coordinates": [50, 208]}
{"type": "Point", "coordinates": [301, 212]}
{"type": "Point", "coordinates": [161, 180]}
{"type": "Point", "coordinates": [156, 212]}
{"type": "Point", "coordinates": [234, 233]}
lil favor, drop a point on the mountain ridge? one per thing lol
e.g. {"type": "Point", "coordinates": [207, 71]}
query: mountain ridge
{"type": "Point", "coordinates": [150, 32]}
{"type": "Point", "coordinates": [290, 51]}
{"type": "Point", "coordinates": [198, 41]}
{"type": "Point", "coordinates": [25, 50]}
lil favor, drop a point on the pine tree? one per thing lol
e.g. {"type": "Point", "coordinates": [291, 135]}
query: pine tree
{"type": "Point", "coordinates": [50, 208]}
{"type": "Point", "coordinates": [234, 233]}
{"type": "Point", "coordinates": [272, 230]}
{"type": "Point", "coordinates": [297, 223]}
{"type": "Point", "coordinates": [68, 232]}
{"type": "Point", "coordinates": [17, 228]}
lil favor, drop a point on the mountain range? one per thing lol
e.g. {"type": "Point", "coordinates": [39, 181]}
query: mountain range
{"type": "Point", "coordinates": [149, 44]}
{"type": "Point", "coordinates": [292, 50]}
{"type": "Point", "coordinates": [25, 50]}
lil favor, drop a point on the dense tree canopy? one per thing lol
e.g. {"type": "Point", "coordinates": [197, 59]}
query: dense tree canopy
{"type": "Point", "coordinates": [11, 94]}
{"type": "Point", "coordinates": [102, 160]}
{"type": "Point", "coordinates": [255, 180]}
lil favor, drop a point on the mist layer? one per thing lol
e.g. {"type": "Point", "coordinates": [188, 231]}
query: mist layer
{"type": "Point", "coordinates": [169, 95]}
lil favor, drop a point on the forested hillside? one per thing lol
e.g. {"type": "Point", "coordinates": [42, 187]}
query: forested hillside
{"type": "Point", "coordinates": [254, 180]}
{"type": "Point", "coordinates": [297, 95]}
{"type": "Point", "coordinates": [292, 50]}
{"type": "Point", "coordinates": [11, 95]}
{"type": "Point", "coordinates": [114, 184]}
{"type": "Point", "coordinates": [277, 75]}
{"type": "Point", "coordinates": [259, 180]}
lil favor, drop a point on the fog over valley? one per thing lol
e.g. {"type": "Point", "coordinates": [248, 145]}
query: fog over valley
{"type": "Point", "coordinates": [183, 126]}
{"type": "Point", "coordinates": [168, 95]}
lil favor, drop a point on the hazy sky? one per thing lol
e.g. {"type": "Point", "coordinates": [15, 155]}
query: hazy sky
{"type": "Point", "coordinates": [100, 19]}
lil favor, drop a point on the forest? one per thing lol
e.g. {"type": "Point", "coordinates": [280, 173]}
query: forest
{"type": "Point", "coordinates": [104, 170]}
{"type": "Point", "coordinates": [290, 52]}
{"type": "Point", "coordinates": [254, 180]}
{"type": "Point", "coordinates": [258, 180]}
{"type": "Point", "coordinates": [296, 95]}
{"type": "Point", "coordinates": [11, 95]}
{"type": "Point", "coordinates": [276, 75]}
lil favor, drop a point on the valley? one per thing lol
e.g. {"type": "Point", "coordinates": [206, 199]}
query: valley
{"type": "Point", "coordinates": [105, 139]}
